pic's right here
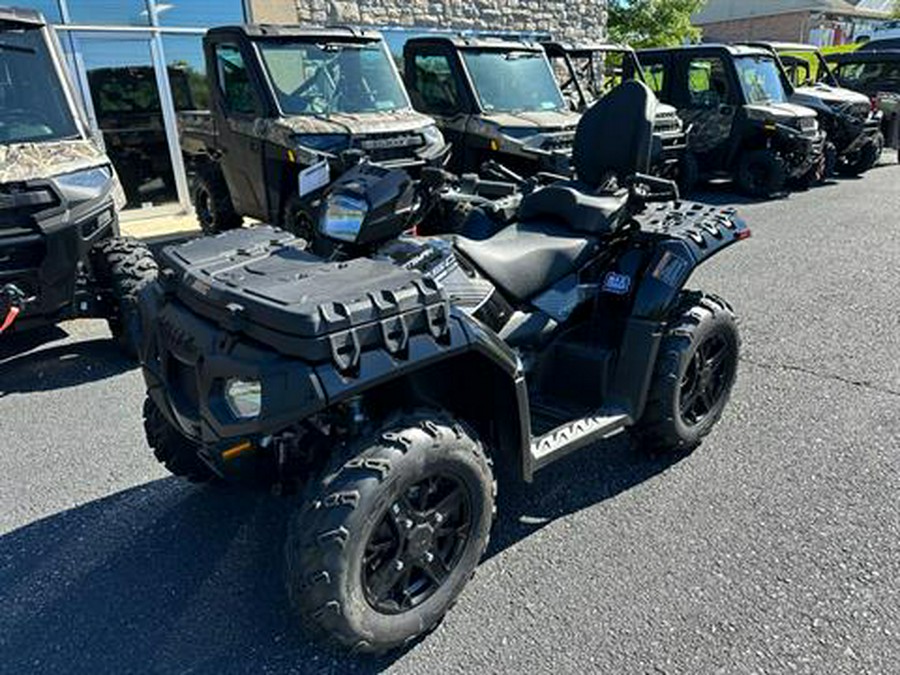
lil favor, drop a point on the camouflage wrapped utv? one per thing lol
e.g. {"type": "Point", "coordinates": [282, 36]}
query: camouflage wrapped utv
{"type": "Point", "coordinates": [742, 122]}
{"type": "Point", "coordinates": [494, 100]}
{"type": "Point", "coordinates": [60, 252]}
{"type": "Point", "coordinates": [290, 108]}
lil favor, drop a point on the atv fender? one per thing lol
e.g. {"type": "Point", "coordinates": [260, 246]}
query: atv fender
{"type": "Point", "coordinates": [687, 236]}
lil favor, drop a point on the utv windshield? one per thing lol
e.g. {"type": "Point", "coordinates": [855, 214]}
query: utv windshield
{"type": "Point", "coordinates": [33, 103]}
{"type": "Point", "coordinates": [320, 79]}
{"type": "Point", "coordinates": [513, 81]}
{"type": "Point", "coordinates": [760, 79]}
{"type": "Point", "coordinates": [807, 68]}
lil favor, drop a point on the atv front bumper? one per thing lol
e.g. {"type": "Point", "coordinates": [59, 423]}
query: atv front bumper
{"type": "Point", "coordinates": [45, 242]}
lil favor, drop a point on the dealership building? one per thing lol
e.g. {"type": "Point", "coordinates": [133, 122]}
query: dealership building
{"type": "Point", "coordinates": [137, 63]}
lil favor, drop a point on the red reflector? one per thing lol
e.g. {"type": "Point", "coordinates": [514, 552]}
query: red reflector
{"type": "Point", "coordinates": [744, 234]}
{"type": "Point", "coordinates": [10, 318]}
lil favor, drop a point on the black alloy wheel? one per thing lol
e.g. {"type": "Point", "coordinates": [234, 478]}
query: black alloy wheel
{"type": "Point", "coordinates": [417, 544]}
{"type": "Point", "coordinates": [706, 379]}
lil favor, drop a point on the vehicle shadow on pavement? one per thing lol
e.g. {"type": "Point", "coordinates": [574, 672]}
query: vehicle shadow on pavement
{"type": "Point", "coordinates": [171, 577]}
{"type": "Point", "coordinates": [164, 578]}
{"type": "Point", "coordinates": [577, 482]}
{"type": "Point", "coordinates": [36, 367]}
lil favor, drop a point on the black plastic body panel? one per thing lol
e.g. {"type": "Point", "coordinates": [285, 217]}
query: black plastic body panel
{"type": "Point", "coordinates": [45, 243]}
{"type": "Point", "coordinates": [261, 283]}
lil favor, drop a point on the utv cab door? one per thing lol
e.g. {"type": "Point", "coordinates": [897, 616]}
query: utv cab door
{"type": "Point", "coordinates": [238, 111]}
{"type": "Point", "coordinates": [437, 88]}
{"type": "Point", "coordinates": [707, 96]}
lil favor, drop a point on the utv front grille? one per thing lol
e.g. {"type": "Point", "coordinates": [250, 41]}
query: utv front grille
{"type": "Point", "coordinates": [390, 147]}
{"type": "Point", "coordinates": [22, 251]}
{"type": "Point", "coordinates": [19, 204]}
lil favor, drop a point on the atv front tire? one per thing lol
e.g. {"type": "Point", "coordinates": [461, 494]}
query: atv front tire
{"type": "Point", "coordinates": [212, 202]}
{"type": "Point", "coordinates": [175, 452]}
{"type": "Point", "coordinates": [125, 267]}
{"type": "Point", "coordinates": [387, 538]}
{"type": "Point", "coordinates": [761, 173]}
{"type": "Point", "coordinates": [693, 377]}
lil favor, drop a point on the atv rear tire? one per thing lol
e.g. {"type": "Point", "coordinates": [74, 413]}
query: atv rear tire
{"type": "Point", "coordinates": [212, 202]}
{"type": "Point", "coordinates": [387, 538]}
{"type": "Point", "coordinates": [867, 157]}
{"type": "Point", "coordinates": [694, 373]}
{"type": "Point", "coordinates": [175, 452]}
{"type": "Point", "coordinates": [125, 267]}
{"type": "Point", "coordinates": [761, 173]}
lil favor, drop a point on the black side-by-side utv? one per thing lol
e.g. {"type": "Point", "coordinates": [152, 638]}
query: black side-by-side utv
{"type": "Point", "coordinates": [61, 256]}
{"type": "Point", "coordinates": [392, 387]}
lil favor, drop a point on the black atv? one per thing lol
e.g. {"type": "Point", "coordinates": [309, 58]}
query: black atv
{"type": "Point", "coordinates": [393, 388]}
{"type": "Point", "coordinates": [61, 256]}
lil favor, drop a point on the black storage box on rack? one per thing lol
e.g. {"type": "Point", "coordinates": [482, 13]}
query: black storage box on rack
{"type": "Point", "coordinates": [260, 283]}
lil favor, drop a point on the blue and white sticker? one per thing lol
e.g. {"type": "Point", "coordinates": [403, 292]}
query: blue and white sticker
{"type": "Point", "coordinates": [617, 284]}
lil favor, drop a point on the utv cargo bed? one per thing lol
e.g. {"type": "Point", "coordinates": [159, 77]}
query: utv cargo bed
{"type": "Point", "coordinates": [259, 282]}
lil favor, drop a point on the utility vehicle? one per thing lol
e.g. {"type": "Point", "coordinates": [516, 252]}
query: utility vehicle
{"type": "Point", "coordinates": [287, 103]}
{"type": "Point", "coordinates": [586, 72]}
{"type": "Point", "coordinates": [493, 99]}
{"type": "Point", "coordinates": [852, 125]}
{"type": "Point", "coordinates": [61, 256]}
{"type": "Point", "coordinates": [877, 75]}
{"type": "Point", "coordinates": [742, 124]}
{"type": "Point", "coordinates": [392, 387]}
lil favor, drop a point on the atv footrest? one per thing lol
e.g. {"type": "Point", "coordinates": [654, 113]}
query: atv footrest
{"type": "Point", "coordinates": [573, 436]}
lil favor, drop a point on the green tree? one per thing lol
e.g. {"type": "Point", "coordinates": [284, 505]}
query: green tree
{"type": "Point", "coordinates": [895, 12]}
{"type": "Point", "coordinates": [653, 23]}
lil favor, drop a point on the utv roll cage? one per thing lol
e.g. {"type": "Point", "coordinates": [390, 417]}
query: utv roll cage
{"type": "Point", "coordinates": [567, 51]}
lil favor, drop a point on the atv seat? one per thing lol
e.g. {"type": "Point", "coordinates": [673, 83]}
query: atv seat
{"type": "Point", "coordinates": [572, 205]}
{"type": "Point", "coordinates": [524, 259]}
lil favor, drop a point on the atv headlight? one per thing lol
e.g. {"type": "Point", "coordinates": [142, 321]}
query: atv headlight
{"type": "Point", "coordinates": [433, 135]}
{"type": "Point", "coordinates": [244, 397]}
{"type": "Point", "coordinates": [82, 186]}
{"type": "Point", "coordinates": [343, 217]}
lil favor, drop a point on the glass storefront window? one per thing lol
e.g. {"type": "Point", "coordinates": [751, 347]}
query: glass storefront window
{"type": "Point", "coordinates": [49, 8]}
{"type": "Point", "coordinates": [109, 12]}
{"type": "Point", "coordinates": [128, 110]}
{"type": "Point", "coordinates": [199, 13]}
{"type": "Point", "coordinates": [187, 71]}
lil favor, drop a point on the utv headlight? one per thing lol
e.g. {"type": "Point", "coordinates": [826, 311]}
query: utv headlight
{"type": "Point", "coordinates": [244, 397]}
{"type": "Point", "coordinates": [84, 185]}
{"type": "Point", "coordinates": [433, 135]}
{"type": "Point", "coordinates": [333, 143]}
{"type": "Point", "coordinates": [343, 217]}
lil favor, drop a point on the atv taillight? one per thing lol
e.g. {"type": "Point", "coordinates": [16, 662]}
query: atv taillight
{"type": "Point", "coordinates": [873, 102]}
{"type": "Point", "coordinates": [744, 234]}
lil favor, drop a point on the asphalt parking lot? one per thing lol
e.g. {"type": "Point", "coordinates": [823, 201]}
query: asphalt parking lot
{"type": "Point", "coordinates": [774, 548]}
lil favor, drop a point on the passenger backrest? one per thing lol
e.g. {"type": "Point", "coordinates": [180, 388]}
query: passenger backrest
{"type": "Point", "coordinates": [615, 135]}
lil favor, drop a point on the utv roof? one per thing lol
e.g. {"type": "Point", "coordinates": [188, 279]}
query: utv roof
{"type": "Point", "coordinates": [265, 30]}
{"type": "Point", "coordinates": [865, 57]}
{"type": "Point", "coordinates": [734, 50]}
{"type": "Point", "coordinates": [20, 16]}
{"type": "Point", "coordinates": [559, 48]}
{"type": "Point", "coordinates": [783, 46]}
{"type": "Point", "coordinates": [463, 42]}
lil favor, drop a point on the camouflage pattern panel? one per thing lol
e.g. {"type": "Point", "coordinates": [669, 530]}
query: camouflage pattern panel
{"type": "Point", "coordinates": [30, 161]}
{"type": "Point", "coordinates": [709, 128]}
{"type": "Point", "coordinates": [282, 131]}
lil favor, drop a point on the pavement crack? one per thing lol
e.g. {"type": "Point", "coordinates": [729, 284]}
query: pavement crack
{"type": "Point", "coordinates": [788, 367]}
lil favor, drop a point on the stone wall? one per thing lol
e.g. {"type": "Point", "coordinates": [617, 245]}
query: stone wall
{"type": "Point", "coordinates": [570, 19]}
